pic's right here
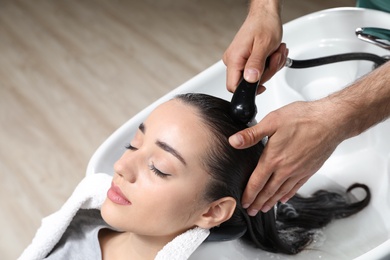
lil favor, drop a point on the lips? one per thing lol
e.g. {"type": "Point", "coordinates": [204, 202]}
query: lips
{"type": "Point", "coordinates": [115, 195]}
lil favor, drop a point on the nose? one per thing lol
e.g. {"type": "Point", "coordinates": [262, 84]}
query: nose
{"type": "Point", "coordinates": [126, 166]}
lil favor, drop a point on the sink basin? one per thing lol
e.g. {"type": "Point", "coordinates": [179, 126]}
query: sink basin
{"type": "Point", "coordinates": [365, 158]}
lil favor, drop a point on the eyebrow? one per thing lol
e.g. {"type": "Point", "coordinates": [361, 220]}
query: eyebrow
{"type": "Point", "coordinates": [166, 147]}
{"type": "Point", "coordinates": [170, 150]}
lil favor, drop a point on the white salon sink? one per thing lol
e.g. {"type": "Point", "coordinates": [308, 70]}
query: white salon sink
{"type": "Point", "coordinates": [364, 159]}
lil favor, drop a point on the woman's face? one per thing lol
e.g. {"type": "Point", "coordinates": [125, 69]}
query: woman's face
{"type": "Point", "coordinates": [158, 185]}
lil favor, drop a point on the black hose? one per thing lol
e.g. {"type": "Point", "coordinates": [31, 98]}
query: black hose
{"type": "Point", "coordinates": [301, 64]}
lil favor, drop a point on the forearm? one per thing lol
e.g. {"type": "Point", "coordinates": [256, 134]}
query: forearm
{"type": "Point", "coordinates": [361, 105]}
{"type": "Point", "coordinates": [270, 7]}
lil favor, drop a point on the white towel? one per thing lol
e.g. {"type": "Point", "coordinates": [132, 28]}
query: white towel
{"type": "Point", "coordinates": [183, 245]}
{"type": "Point", "coordinates": [90, 194]}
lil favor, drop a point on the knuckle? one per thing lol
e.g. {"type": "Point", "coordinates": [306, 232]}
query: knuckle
{"type": "Point", "coordinates": [272, 201]}
{"type": "Point", "coordinates": [275, 115]}
{"type": "Point", "coordinates": [256, 61]}
{"type": "Point", "coordinates": [251, 135]}
{"type": "Point", "coordinates": [224, 59]}
{"type": "Point", "coordinates": [267, 192]}
{"type": "Point", "coordinates": [291, 194]}
{"type": "Point", "coordinates": [257, 203]}
{"type": "Point", "coordinates": [283, 191]}
{"type": "Point", "coordinates": [296, 188]}
{"type": "Point", "coordinates": [254, 186]}
{"type": "Point", "coordinates": [228, 58]}
{"type": "Point", "coordinates": [302, 181]}
{"type": "Point", "coordinates": [281, 176]}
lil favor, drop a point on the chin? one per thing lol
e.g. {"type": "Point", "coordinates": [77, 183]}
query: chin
{"type": "Point", "coordinates": [110, 213]}
{"type": "Point", "coordinates": [114, 216]}
{"type": "Point", "coordinates": [104, 211]}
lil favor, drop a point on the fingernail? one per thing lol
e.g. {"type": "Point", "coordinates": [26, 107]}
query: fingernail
{"type": "Point", "coordinates": [236, 140]}
{"type": "Point", "coordinates": [252, 212]}
{"type": "Point", "coordinates": [265, 209]}
{"type": "Point", "coordinates": [245, 206]}
{"type": "Point", "coordinates": [251, 75]}
{"type": "Point", "coordinates": [284, 200]}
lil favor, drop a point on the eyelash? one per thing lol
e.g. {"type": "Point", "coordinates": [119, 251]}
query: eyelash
{"type": "Point", "coordinates": [151, 166]}
{"type": "Point", "coordinates": [130, 147]}
{"type": "Point", "coordinates": [158, 172]}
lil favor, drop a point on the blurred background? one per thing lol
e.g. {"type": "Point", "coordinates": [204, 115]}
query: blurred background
{"type": "Point", "coordinates": [71, 72]}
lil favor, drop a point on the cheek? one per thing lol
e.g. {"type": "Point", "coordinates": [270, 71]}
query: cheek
{"type": "Point", "coordinates": [160, 211]}
{"type": "Point", "coordinates": [158, 208]}
{"type": "Point", "coordinates": [169, 211]}
{"type": "Point", "coordinates": [172, 203]}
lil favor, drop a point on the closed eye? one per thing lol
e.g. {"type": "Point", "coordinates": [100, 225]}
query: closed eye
{"type": "Point", "coordinates": [158, 172]}
{"type": "Point", "coordinates": [151, 167]}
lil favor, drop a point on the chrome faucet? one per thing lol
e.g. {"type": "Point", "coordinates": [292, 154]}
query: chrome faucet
{"type": "Point", "coordinates": [377, 36]}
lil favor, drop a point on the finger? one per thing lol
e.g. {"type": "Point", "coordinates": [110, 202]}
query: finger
{"type": "Point", "coordinates": [283, 190]}
{"type": "Point", "coordinates": [255, 65]}
{"type": "Point", "coordinates": [283, 60]}
{"type": "Point", "coordinates": [252, 135]}
{"type": "Point", "coordinates": [250, 197]}
{"type": "Point", "coordinates": [260, 176]}
{"type": "Point", "coordinates": [286, 52]}
{"type": "Point", "coordinates": [232, 79]}
{"type": "Point", "coordinates": [246, 138]}
{"type": "Point", "coordinates": [235, 64]}
{"type": "Point", "coordinates": [267, 196]}
{"type": "Point", "coordinates": [272, 68]}
{"type": "Point", "coordinates": [260, 89]}
{"type": "Point", "coordinates": [294, 190]}
{"type": "Point", "coordinates": [276, 62]}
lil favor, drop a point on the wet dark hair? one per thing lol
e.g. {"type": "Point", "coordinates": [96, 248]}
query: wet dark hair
{"type": "Point", "coordinates": [287, 230]}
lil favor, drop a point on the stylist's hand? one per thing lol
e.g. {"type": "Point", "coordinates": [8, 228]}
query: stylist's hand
{"type": "Point", "coordinates": [258, 38]}
{"type": "Point", "coordinates": [301, 139]}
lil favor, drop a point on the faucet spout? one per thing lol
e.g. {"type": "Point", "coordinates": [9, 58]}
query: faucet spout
{"type": "Point", "coordinates": [374, 35]}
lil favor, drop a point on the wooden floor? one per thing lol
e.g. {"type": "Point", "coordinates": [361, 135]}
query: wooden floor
{"type": "Point", "coordinates": [71, 72]}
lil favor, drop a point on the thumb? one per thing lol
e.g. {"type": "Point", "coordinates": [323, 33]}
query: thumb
{"type": "Point", "coordinates": [255, 65]}
{"type": "Point", "coordinates": [249, 136]}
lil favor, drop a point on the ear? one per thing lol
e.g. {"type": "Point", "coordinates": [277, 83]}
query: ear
{"type": "Point", "coordinates": [217, 212]}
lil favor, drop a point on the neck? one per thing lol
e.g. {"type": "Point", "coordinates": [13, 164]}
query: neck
{"type": "Point", "coordinates": [126, 245]}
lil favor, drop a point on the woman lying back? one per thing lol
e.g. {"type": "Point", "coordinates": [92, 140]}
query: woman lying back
{"type": "Point", "coordinates": [179, 173]}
